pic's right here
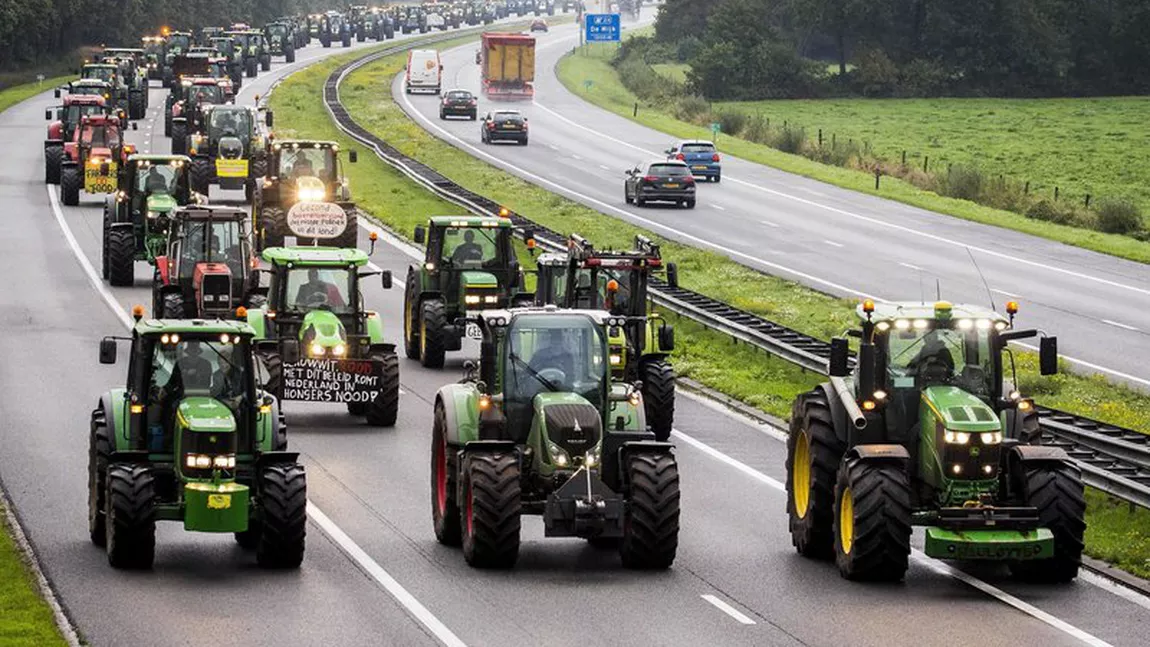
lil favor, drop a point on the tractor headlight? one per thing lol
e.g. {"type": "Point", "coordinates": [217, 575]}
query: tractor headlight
{"type": "Point", "coordinates": [991, 437]}
{"type": "Point", "coordinates": [316, 350]}
{"type": "Point", "coordinates": [558, 455]}
{"type": "Point", "coordinates": [471, 299]}
{"type": "Point", "coordinates": [956, 437]}
{"type": "Point", "coordinates": [492, 298]}
{"type": "Point", "coordinates": [311, 194]}
{"type": "Point", "coordinates": [152, 215]}
{"type": "Point", "coordinates": [615, 359]}
{"type": "Point", "coordinates": [224, 462]}
{"type": "Point", "coordinates": [198, 461]}
{"type": "Point", "coordinates": [591, 459]}
{"type": "Point", "coordinates": [95, 161]}
{"type": "Point", "coordinates": [338, 350]}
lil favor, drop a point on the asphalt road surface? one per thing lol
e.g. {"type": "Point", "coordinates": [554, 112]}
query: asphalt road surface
{"type": "Point", "coordinates": [838, 241]}
{"type": "Point", "coordinates": [373, 573]}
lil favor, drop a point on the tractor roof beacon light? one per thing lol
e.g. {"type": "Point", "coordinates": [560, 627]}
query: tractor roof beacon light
{"type": "Point", "coordinates": [137, 312]}
{"type": "Point", "coordinates": [1011, 310]}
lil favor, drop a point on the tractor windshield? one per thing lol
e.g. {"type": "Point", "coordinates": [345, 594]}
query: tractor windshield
{"type": "Point", "coordinates": [210, 367]}
{"type": "Point", "coordinates": [217, 70]}
{"type": "Point", "coordinates": [156, 178]}
{"type": "Point", "coordinates": [224, 45]}
{"type": "Point", "coordinates": [211, 241]}
{"type": "Point", "coordinates": [276, 31]}
{"type": "Point", "coordinates": [202, 94]}
{"type": "Point", "coordinates": [100, 73]}
{"type": "Point", "coordinates": [308, 162]}
{"type": "Point", "coordinates": [555, 353]}
{"type": "Point", "coordinates": [231, 122]}
{"type": "Point", "coordinates": [76, 111]}
{"type": "Point", "coordinates": [100, 136]}
{"type": "Point", "coordinates": [921, 357]}
{"type": "Point", "coordinates": [473, 246]}
{"type": "Point", "coordinates": [179, 42]}
{"type": "Point", "coordinates": [329, 288]}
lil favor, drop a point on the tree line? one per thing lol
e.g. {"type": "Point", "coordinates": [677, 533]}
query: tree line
{"type": "Point", "coordinates": [758, 49]}
{"type": "Point", "coordinates": [36, 31]}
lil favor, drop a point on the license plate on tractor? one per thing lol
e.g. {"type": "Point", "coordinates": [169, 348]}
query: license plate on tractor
{"type": "Point", "coordinates": [231, 168]}
{"type": "Point", "coordinates": [473, 331]}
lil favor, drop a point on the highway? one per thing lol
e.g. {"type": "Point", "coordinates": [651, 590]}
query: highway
{"type": "Point", "coordinates": [831, 239]}
{"type": "Point", "coordinates": [373, 573]}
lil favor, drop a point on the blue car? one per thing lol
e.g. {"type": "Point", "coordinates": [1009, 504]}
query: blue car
{"type": "Point", "coordinates": [701, 156]}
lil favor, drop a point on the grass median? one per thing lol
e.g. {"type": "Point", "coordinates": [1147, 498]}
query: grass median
{"type": "Point", "coordinates": [25, 618]}
{"type": "Point", "coordinates": [18, 93]}
{"type": "Point", "coordinates": [587, 74]}
{"type": "Point", "coordinates": [738, 370]}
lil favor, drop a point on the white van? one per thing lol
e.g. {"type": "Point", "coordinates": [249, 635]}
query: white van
{"type": "Point", "coordinates": [424, 71]}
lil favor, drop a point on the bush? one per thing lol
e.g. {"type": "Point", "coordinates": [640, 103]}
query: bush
{"type": "Point", "coordinates": [731, 122]}
{"type": "Point", "coordinates": [757, 130]}
{"type": "Point", "coordinates": [1059, 213]}
{"type": "Point", "coordinates": [688, 48]}
{"type": "Point", "coordinates": [638, 77]}
{"type": "Point", "coordinates": [875, 75]}
{"type": "Point", "coordinates": [964, 183]}
{"type": "Point", "coordinates": [922, 78]}
{"type": "Point", "coordinates": [791, 140]}
{"type": "Point", "coordinates": [691, 107]}
{"type": "Point", "coordinates": [1118, 216]}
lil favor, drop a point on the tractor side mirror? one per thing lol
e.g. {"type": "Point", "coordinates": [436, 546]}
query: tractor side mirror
{"type": "Point", "coordinates": [56, 93]}
{"type": "Point", "coordinates": [353, 156]}
{"type": "Point", "coordinates": [107, 351]}
{"type": "Point", "coordinates": [135, 126]}
{"type": "Point", "coordinates": [667, 338]}
{"type": "Point", "coordinates": [385, 279]}
{"type": "Point", "coordinates": [673, 275]}
{"type": "Point", "coordinates": [48, 115]}
{"type": "Point", "coordinates": [420, 234]}
{"type": "Point", "coordinates": [289, 351]}
{"type": "Point", "coordinates": [837, 365]}
{"type": "Point", "coordinates": [269, 118]}
{"type": "Point", "coordinates": [1048, 355]}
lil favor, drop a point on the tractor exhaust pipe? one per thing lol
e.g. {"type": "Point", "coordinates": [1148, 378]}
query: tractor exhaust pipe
{"type": "Point", "coordinates": [848, 399]}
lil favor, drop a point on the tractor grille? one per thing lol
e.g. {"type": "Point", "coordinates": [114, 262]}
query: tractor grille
{"type": "Point", "coordinates": [231, 148]}
{"type": "Point", "coordinates": [574, 427]}
{"type": "Point", "coordinates": [217, 293]}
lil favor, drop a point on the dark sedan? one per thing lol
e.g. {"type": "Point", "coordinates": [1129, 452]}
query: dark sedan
{"type": "Point", "coordinates": [504, 125]}
{"type": "Point", "coordinates": [663, 181]}
{"type": "Point", "coordinates": [458, 103]}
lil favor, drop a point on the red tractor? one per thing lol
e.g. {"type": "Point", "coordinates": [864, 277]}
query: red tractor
{"type": "Point", "coordinates": [92, 160]}
{"type": "Point", "coordinates": [67, 117]}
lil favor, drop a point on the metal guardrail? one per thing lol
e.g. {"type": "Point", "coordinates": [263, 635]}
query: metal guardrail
{"type": "Point", "coordinates": [1112, 459]}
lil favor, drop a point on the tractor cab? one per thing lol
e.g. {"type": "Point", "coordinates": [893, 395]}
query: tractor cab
{"type": "Point", "coordinates": [88, 87]}
{"type": "Point", "coordinates": [93, 158]}
{"type": "Point", "coordinates": [470, 266]}
{"type": "Point", "coordinates": [304, 176]}
{"type": "Point", "coordinates": [207, 270]}
{"type": "Point", "coordinates": [187, 114]}
{"type": "Point", "coordinates": [931, 410]}
{"type": "Point", "coordinates": [616, 281]}
{"type": "Point", "coordinates": [229, 150]}
{"type": "Point", "coordinates": [153, 55]}
{"type": "Point", "coordinates": [107, 72]}
{"type": "Point", "coordinates": [281, 39]}
{"type": "Point", "coordinates": [544, 410]}
{"type": "Point", "coordinates": [191, 438]}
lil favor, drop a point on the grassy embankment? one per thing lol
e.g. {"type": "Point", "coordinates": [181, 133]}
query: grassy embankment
{"type": "Point", "coordinates": [18, 93]}
{"type": "Point", "coordinates": [1080, 145]}
{"type": "Point", "coordinates": [25, 619]}
{"type": "Point", "coordinates": [756, 378]}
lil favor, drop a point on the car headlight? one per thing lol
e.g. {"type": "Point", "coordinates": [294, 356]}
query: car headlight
{"type": "Point", "coordinates": [956, 437]}
{"type": "Point", "coordinates": [316, 350]}
{"type": "Point", "coordinates": [558, 456]}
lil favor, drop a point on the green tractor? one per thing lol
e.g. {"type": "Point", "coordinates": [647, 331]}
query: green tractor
{"type": "Point", "coordinates": [251, 44]}
{"type": "Point", "coordinates": [303, 179]}
{"type": "Point", "coordinates": [927, 430]}
{"type": "Point", "coordinates": [176, 43]}
{"type": "Point", "coordinates": [191, 438]}
{"type": "Point", "coordinates": [113, 75]}
{"type": "Point", "coordinates": [316, 340]}
{"type": "Point", "coordinates": [281, 39]}
{"type": "Point", "coordinates": [539, 427]}
{"type": "Point", "coordinates": [228, 150]}
{"type": "Point", "coordinates": [616, 281]}
{"type": "Point", "coordinates": [137, 215]}
{"type": "Point", "coordinates": [470, 266]}
{"type": "Point", "coordinates": [133, 69]}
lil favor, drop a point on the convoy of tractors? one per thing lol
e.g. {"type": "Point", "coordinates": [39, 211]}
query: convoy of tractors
{"type": "Point", "coordinates": [567, 413]}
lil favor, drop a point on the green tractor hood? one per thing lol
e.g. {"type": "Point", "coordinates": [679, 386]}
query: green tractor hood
{"type": "Point", "coordinates": [958, 410]}
{"type": "Point", "coordinates": [323, 328]}
{"type": "Point", "coordinates": [203, 414]}
{"type": "Point", "coordinates": [161, 203]}
{"type": "Point", "coordinates": [474, 279]}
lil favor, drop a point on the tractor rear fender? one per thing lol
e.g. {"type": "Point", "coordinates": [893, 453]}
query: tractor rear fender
{"type": "Point", "coordinates": [122, 225]}
{"type": "Point", "coordinates": [49, 143]}
{"type": "Point", "coordinates": [885, 453]}
{"type": "Point", "coordinates": [375, 328]}
{"type": "Point", "coordinates": [269, 345]}
{"type": "Point", "coordinates": [272, 458]}
{"type": "Point", "coordinates": [461, 408]}
{"type": "Point", "coordinates": [382, 348]}
{"type": "Point", "coordinates": [1038, 454]}
{"type": "Point", "coordinates": [115, 406]}
{"type": "Point", "coordinates": [179, 120]}
{"type": "Point", "coordinates": [838, 412]}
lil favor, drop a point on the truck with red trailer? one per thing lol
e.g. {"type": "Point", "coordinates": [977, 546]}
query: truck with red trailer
{"type": "Point", "coordinates": [507, 66]}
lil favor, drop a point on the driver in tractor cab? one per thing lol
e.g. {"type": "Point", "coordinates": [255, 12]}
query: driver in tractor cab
{"type": "Point", "coordinates": [302, 167]}
{"type": "Point", "coordinates": [934, 363]}
{"type": "Point", "coordinates": [553, 353]}
{"type": "Point", "coordinates": [316, 286]}
{"type": "Point", "coordinates": [227, 123]}
{"type": "Point", "coordinates": [155, 182]}
{"type": "Point", "coordinates": [468, 250]}
{"type": "Point", "coordinates": [196, 371]}
{"type": "Point", "coordinates": [617, 297]}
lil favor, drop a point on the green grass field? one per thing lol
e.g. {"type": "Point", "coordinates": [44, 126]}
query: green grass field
{"type": "Point", "coordinates": [606, 91]}
{"type": "Point", "coordinates": [25, 619]}
{"type": "Point", "coordinates": [18, 93]}
{"type": "Point", "coordinates": [755, 377]}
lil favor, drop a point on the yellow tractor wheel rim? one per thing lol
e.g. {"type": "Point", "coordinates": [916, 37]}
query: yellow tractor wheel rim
{"type": "Point", "coordinates": [847, 521]}
{"type": "Point", "coordinates": [801, 475]}
{"type": "Point", "coordinates": [407, 320]}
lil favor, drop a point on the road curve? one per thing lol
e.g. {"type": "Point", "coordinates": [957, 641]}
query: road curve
{"type": "Point", "coordinates": [735, 563]}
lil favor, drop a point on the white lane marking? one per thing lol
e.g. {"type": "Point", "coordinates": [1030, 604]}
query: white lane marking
{"type": "Point", "coordinates": [833, 243]}
{"type": "Point", "coordinates": [727, 609]}
{"type": "Point", "coordinates": [911, 267]}
{"type": "Point", "coordinates": [576, 157]}
{"type": "Point", "coordinates": [345, 543]}
{"type": "Point", "coordinates": [1116, 588]}
{"type": "Point", "coordinates": [553, 147]}
{"type": "Point", "coordinates": [769, 224]}
{"type": "Point", "coordinates": [1004, 293]}
{"type": "Point", "coordinates": [917, 555]}
{"type": "Point", "coordinates": [372, 568]}
{"type": "Point", "coordinates": [874, 221]}
{"type": "Point", "coordinates": [1119, 324]}
{"type": "Point", "coordinates": [719, 207]}
{"type": "Point", "coordinates": [604, 167]}
{"type": "Point", "coordinates": [653, 224]}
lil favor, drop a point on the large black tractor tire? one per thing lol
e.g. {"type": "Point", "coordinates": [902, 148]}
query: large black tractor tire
{"type": "Point", "coordinates": [251, 67]}
{"type": "Point", "coordinates": [651, 529]}
{"type": "Point", "coordinates": [283, 516]}
{"type": "Point", "coordinates": [173, 306]}
{"type": "Point", "coordinates": [813, 457]}
{"type": "Point", "coordinates": [361, 35]}
{"type": "Point", "coordinates": [106, 239]}
{"type": "Point", "coordinates": [325, 41]}
{"type": "Point", "coordinates": [52, 157]}
{"type": "Point", "coordinates": [347, 39]}
{"type": "Point", "coordinates": [659, 396]}
{"type": "Point", "coordinates": [383, 411]}
{"type": "Point", "coordinates": [201, 174]}
{"type": "Point", "coordinates": [99, 448]}
{"type": "Point", "coordinates": [266, 62]}
{"type": "Point", "coordinates": [275, 368]}
{"type": "Point", "coordinates": [490, 510]}
{"type": "Point", "coordinates": [289, 55]}
{"type": "Point", "coordinates": [70, 184]}
{"type": "Point", "coordinates": [179, 137]}
{"type": "Point", "coordinates": [271, 227]}
{"type": "Point", "coordinates": [872, 520]}
{"type": "Point", "coordinates": [411, 309]}
{"type": "Point", "coordinates": [130, 536]}
{"type": "Point", "coordinates": [168, 122]}
{"type": "Point", "coordinates": [432, 330]}
{"type": "Point", "coordinates": [137, 105]}
{"type": "Point", "coordinates": [121, 247]}
{"type": "Point", "coordinates": [444, 507]}
{"type": "Point", "coordinates": [1055, 489]}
